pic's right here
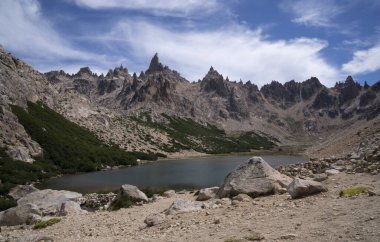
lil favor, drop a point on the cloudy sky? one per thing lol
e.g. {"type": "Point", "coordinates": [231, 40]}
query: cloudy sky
{"type": "Point", "coordinates": [243, 39]}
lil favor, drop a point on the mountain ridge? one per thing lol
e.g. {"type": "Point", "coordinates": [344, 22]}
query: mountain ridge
{"type": "Point", "coordinates": [294, 113]}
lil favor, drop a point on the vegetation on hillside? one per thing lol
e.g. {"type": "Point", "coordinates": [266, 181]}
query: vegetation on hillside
{"type": "Point", "coordinates": [67, 148]}
{"type": "Point", "coordinates": [187, 134]}
{"type": "Point", "coordinates": [67, 145]}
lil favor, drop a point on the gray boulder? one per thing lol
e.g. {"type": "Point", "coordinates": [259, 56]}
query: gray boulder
{"type": "Point", "coordinates": [20, 191]}
{"type": "Point", "coordinates": [255, 177]}
{"type": "Point", "coordinates": [154, 219]}
{"type": "Point", "coordinates": [301, 188]}
{"type": "Point", "coordinates": [183, 206]}
{"type": "Point", "coordinates": [22, 214]}
{"type": "Point", "coordinates": [207, 193]}
{"type": "Point", "coordinates": [132, 192]}
{"type": "Point", "coordinates": [71, 208]}
{"type": "Point", "coordinates": [49, 201]}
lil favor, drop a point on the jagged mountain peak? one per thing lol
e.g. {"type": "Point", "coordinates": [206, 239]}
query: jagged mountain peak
{"type": "Point", "coordinates": [155, 65]}
{"type": "Point", "coordinates": [84, 70]}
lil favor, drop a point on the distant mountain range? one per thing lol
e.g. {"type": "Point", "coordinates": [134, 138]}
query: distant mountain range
{"type": "Point", "coordinates": [150, 111]}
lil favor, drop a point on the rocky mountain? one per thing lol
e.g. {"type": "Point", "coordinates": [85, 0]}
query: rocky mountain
{"type": "Point", "coordinates": [136, 111]}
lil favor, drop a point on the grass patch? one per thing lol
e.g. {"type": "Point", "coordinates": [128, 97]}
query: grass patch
{"type": "Point", "coordinates": [353, 191]}
{"type": "Point", "coordinates": [44, 224]}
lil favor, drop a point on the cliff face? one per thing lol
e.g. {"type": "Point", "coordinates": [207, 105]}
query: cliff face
{"type": "Point", "coordinates": [291, 112]}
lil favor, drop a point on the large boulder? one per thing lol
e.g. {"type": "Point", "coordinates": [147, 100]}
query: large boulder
{"type": "Point", "coordinates": [183, 206]}
{"type": "Point", "coordinates": [207, 193]}
{"type": "Point", "coordinates": [20, 191]}
{"type": "Point", "coordinates": [49, 201]}
{"type": "Point", "coordinates": [255, 177]}
{"type": "Point", "coordinates": [133, 193]}
{"type": "Point", "coordinates": [301, 188]}
{"type": "Point", "coordinates": [22, 214]}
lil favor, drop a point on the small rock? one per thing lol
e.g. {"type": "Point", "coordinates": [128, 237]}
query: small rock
{"type": "Point", "coordinates": [331, 172]}
{"type": "Point", "coordinates": [235, 202]}
{"type": "Point", "coordinates": [154, 219]}
{"type": "Point", "coordinates": [36, 238]}
{"type": "Point", "coordinates": [156, 197]}
{"type": "Point", "coordinates": [242, 198]}
{"type": "Point", "coordinates": [288, 236]}
{"type": "Point", "coordinates": [207, 193]}
{"type": "Point", "coordinates": [183, 206]}
{"type": "Point", "coordinates": [320, 177]}
{"type": "Point", "coordinates": [371, 193]}
{"type": "Point", "coordinates": [169, 193]}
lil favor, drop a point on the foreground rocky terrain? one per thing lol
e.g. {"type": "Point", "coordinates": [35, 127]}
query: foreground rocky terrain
{"type": "Point", "coordinates": [322, 217]}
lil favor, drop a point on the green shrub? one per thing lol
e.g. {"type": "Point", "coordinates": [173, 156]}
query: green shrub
{"type": "Point", "coordinates": [121, 202]}
{"type": "Point", "coordinates": [7, 202]}
{"type": "Point", "coordinates": [14, 172]}
{"type": "Point", "coordinates": [353, 191]}
{"type": "Point", "coordinates": [44, 224]}
{"type": "Point", "coordinates": [150, 191]}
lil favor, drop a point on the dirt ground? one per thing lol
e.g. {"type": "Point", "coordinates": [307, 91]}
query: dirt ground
{"type": "Point", "coordinates": [322, 217]}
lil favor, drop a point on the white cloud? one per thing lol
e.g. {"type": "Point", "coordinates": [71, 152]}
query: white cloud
{"type": "Point", "coordinates": [364, 61]}
{"type": "Point", "coordinates": [24, 30]}
{"type": "Point", "coordinates": [318, 13]}
{"type": "Point", "coordinates": [158, 7]}
{"type": "Point", "coordinates": [234, 51]}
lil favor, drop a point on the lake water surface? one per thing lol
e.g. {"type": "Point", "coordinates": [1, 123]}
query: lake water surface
{"type": "Point", "coordinates": [179, 174]}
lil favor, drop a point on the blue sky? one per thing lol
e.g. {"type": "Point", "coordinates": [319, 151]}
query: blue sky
{"type": "Point", "coordinates": [253, 40]}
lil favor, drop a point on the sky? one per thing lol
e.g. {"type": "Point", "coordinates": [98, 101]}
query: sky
{"type": "Point", "coordinates": [245, 40]}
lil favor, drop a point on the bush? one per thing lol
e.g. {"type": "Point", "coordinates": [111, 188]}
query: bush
{"type": "Point", "coordinates": [44, 224]}
{"type": "Point", "coordinates": [7, 202]}
{"type": "Point", "coordinates": [121, 202]}
{"type": "Point", "coordinates": [353, 191]}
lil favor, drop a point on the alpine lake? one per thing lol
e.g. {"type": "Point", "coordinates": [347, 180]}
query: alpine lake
{"type": "Point", "coordinates": [176, 174]}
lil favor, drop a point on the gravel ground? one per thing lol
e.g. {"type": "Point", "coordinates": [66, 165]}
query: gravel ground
{"type": "Point", "coordinates": [322, 217]}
